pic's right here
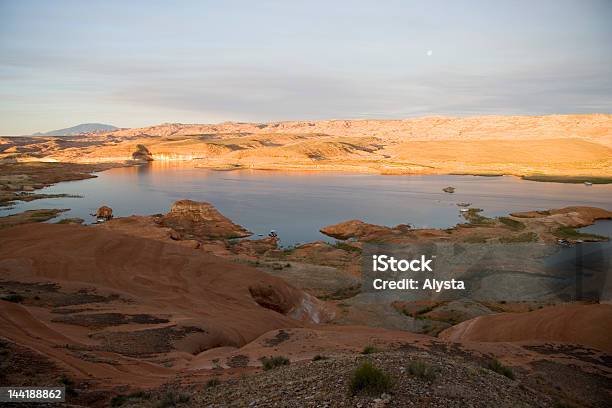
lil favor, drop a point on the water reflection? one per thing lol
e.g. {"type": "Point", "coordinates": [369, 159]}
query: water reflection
{"type": "Point", "coordinates": [297, 204]}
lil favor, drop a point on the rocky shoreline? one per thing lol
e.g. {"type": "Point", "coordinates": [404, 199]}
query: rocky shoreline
{"type": "Point", "coordinates": [200, 309]}
{"type": "Point", "coordinates": [19, 180]}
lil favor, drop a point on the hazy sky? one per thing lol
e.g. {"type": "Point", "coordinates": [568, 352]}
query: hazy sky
{"type": "Point", "coordinates": [131, 63]}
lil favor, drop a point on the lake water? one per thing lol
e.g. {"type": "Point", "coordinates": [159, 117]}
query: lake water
{"type": "Point", "coordinates": [601, 227]}
{"type": "Point", "coordinates": [298, 204]}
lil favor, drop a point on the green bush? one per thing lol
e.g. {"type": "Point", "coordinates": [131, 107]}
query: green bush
{"type": "Point", "coordinates": [499, 368]}
{"type": "Point", "coordinates": [369, 349]}
{"type": "Point", "coordinates": [272, 362]}
{"type": "Point", "coordinates": [512, 224]}
{"type": "Point", "coordinates": [369, 380]}
{"type": "Point", "coordinates": [422, 370]}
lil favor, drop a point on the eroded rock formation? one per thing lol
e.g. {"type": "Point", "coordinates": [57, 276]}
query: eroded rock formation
{"type": "Point", "coordinates": [142, 154]}
{"type": "Point", "coordinates": [201, 220]}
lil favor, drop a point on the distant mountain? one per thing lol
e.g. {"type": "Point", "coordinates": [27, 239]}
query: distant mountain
{"type": "Point", "coordinates": [78, 129]}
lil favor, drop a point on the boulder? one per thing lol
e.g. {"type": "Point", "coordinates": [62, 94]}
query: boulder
{"type": "Point", "coordinates": [105, 213]}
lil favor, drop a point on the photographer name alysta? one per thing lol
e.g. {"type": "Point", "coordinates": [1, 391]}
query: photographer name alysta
{"type": "Point", "coordinates": [384, 263]}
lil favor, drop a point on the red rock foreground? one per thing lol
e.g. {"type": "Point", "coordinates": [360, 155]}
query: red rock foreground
{"type": "Point", "coordinates": [589, 325]}
{"type": "Point", "coordinates": [128, 305]}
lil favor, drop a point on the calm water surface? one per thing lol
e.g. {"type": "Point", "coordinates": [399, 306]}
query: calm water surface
{"type": "Point", "coordinates": [298, 204]}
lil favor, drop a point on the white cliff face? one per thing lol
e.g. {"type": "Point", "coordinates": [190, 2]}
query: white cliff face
{"type": "Point", "coordinates": [175, 157]}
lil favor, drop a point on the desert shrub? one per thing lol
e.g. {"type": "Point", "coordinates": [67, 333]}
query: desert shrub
{"type": "Point", "coordinates": [213, 382]}
{"type": "Point", "coordinates": [119, 400]}
{"type": "Point", "coordinates": [475, 239]}
{"type": "Point", "coordinates": [474, 217]}
{"type": "Point", "coordinates": [422, 370]}
{"type": "Point", "coordinates": [42, 215]}
{"type": "Point", "coordinates": [139, 395]}
{"type": "Point", "coordinates": [524, 237]}
{"type": "Point", "coordinates": [369, 349]}
{"type": "Point", "coordinates": [288, 250]}
{"type": "Point", "coordinates": [572, 233]}
{"type": "Point", "coordinates": [512, 224]}
{"type": "Point", "coordinates": [346, 247]}
{"type": "Point", "coordinates": [13, 298]}
{"type": "Point", "coordinates": [369, 380]}
{"type": "Point", "coordinates": [70, 221]}
{"type": "Point", "coordinates": [171, 398]}
{"type": "Point", "coordinates": [272, 362]}
{"type": "Point", "coordinates": [68, 385]}
{"type": "Point", "coordinates": [499, 368]}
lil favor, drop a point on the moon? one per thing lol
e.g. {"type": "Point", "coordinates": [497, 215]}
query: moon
{"type": "Point", "coordinates": [429, 53]}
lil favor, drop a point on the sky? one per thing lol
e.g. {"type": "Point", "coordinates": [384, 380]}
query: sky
{"type": "Point", "coordinates": [140, 63]}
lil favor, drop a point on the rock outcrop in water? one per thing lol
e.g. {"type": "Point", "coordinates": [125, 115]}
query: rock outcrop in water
{"type": "Point", "coordinates": [359, 229]}
{"type": "Point", "coordinates": [142, 154]}
{"type": "Point", "coordinates": [105, 213]}
{"type": "Point", "coordinates": [201, 220]}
